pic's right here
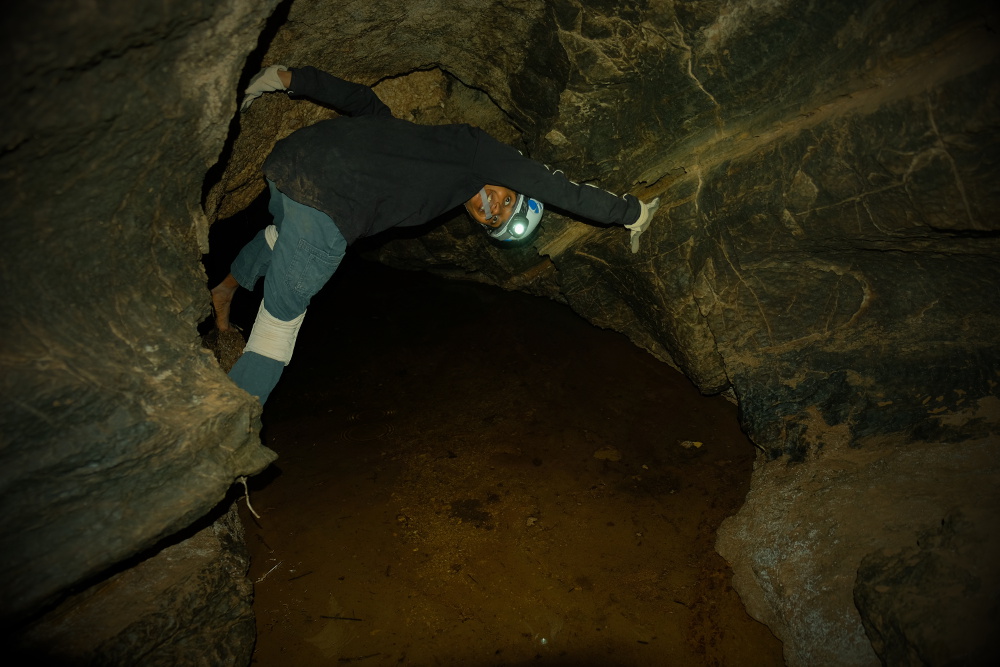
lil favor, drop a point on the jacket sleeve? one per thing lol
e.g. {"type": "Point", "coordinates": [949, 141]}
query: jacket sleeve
{"type": "Point", "coordinates": [503, 165]}
{"type": "Point", "coordinates": [353, 99]}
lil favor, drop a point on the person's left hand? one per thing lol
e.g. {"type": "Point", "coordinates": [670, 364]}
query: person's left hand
{"type": "Point", "coordinates": [265, 81]}
{"type": "Point", "coordinates": [648, 210]}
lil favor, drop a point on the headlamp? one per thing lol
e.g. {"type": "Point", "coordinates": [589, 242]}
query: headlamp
{"type": "Point", "coordinates": [522, 222]}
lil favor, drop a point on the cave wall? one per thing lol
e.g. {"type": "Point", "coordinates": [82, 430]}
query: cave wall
{"type": "Point", "coordinates": [186, 605]}
{"type": "Point", "coordinates": [826, 254]}
{"type": "Point", "coordinates": [118, 430]}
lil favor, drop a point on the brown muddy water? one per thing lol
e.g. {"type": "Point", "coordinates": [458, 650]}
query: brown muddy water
{"type": "Point", "coordinates": [474, 477]}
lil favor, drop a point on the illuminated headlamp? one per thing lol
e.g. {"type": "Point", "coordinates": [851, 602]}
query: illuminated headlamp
{"type": "Point", "coordinates": [522, 221]}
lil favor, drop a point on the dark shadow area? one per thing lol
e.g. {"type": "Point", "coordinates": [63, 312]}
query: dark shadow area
{"type": "Point", "coordinates": [476, 477]}
{"type": "Point", "coordinates": [225, 239]}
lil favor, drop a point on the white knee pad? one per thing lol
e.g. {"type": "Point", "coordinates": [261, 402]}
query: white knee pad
{"type": "Point", "coordinates": [270, 235]}
{"type": "Point", "coordinates": [272, 337]}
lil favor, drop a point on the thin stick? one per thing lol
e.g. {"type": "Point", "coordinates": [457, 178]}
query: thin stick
{"type": "Point", "coordinates": [270, 571]}
{"type": "Point", "coordinates": [246, 494]}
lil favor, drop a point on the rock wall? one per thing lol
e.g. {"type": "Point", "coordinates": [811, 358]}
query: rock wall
{"type": "Point", "coordinates": [117, 430]}
{"type": "Point", "coordinates": [826, 254]}
{"type": "Point", "coordinates": [187, 603]}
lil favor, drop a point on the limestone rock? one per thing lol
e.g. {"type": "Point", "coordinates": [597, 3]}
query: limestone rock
{"type": "Point", "coordinates": [936, 602]}
{"type": "Point", "coordinates": [227, 346]}
{"type": "Point", "coordinates": [117, 429]}
{"type": "Point", "coordinates": [187, 604]}
{"type": "Point", "coordinates": [797, 543]}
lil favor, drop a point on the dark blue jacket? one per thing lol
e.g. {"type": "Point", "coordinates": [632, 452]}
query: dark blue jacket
{"type": "Point", "coordinates": [370, 171]}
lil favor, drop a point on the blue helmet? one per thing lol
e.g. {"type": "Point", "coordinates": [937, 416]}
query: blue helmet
{"type": "Point", "coordinates": [522, 221]}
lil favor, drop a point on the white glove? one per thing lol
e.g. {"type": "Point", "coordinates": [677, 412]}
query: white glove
{"type": "Point", "coordinates": [648, 210]}
{"type": "Point", "coordinates": [265, 81]}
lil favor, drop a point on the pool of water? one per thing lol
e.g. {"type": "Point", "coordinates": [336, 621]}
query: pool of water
{"type": "Point", "coordinates": [469, 476]}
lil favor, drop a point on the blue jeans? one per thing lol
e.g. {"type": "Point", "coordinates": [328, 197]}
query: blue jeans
{"type": "Point", "coordinates": [306, 254]}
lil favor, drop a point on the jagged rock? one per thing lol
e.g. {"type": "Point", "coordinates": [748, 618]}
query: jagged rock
{"type": "Point", "coordinates": [189, 603]}
{"type": "Point", "coordinates": [227, 346]}
{"type": "Point", "coordinates": [797, 543]}
{"type": "Point", "coordinates": [936, 602]}
{"type": "Point", "coordinates": [118, 430]}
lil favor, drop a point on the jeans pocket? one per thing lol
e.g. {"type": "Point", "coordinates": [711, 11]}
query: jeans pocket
{"type": "Point", "coordinates": [310, 268]}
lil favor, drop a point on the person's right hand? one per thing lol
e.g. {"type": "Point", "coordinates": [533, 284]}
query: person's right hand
{"type": "Point", "coordinates": [265, 81]}
{"type": "Point", "coordinates": [646, 213]}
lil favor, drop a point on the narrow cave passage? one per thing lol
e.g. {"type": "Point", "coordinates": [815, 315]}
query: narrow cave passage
{"type": "Point", "coordinates": [469, 476]}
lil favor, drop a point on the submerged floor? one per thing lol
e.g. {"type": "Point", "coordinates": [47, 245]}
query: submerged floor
{"type": "Point", "coordinates": [474, 477]}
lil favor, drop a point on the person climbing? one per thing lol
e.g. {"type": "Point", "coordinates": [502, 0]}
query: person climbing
{"type": "Point", "coordinates": [339, 180]}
